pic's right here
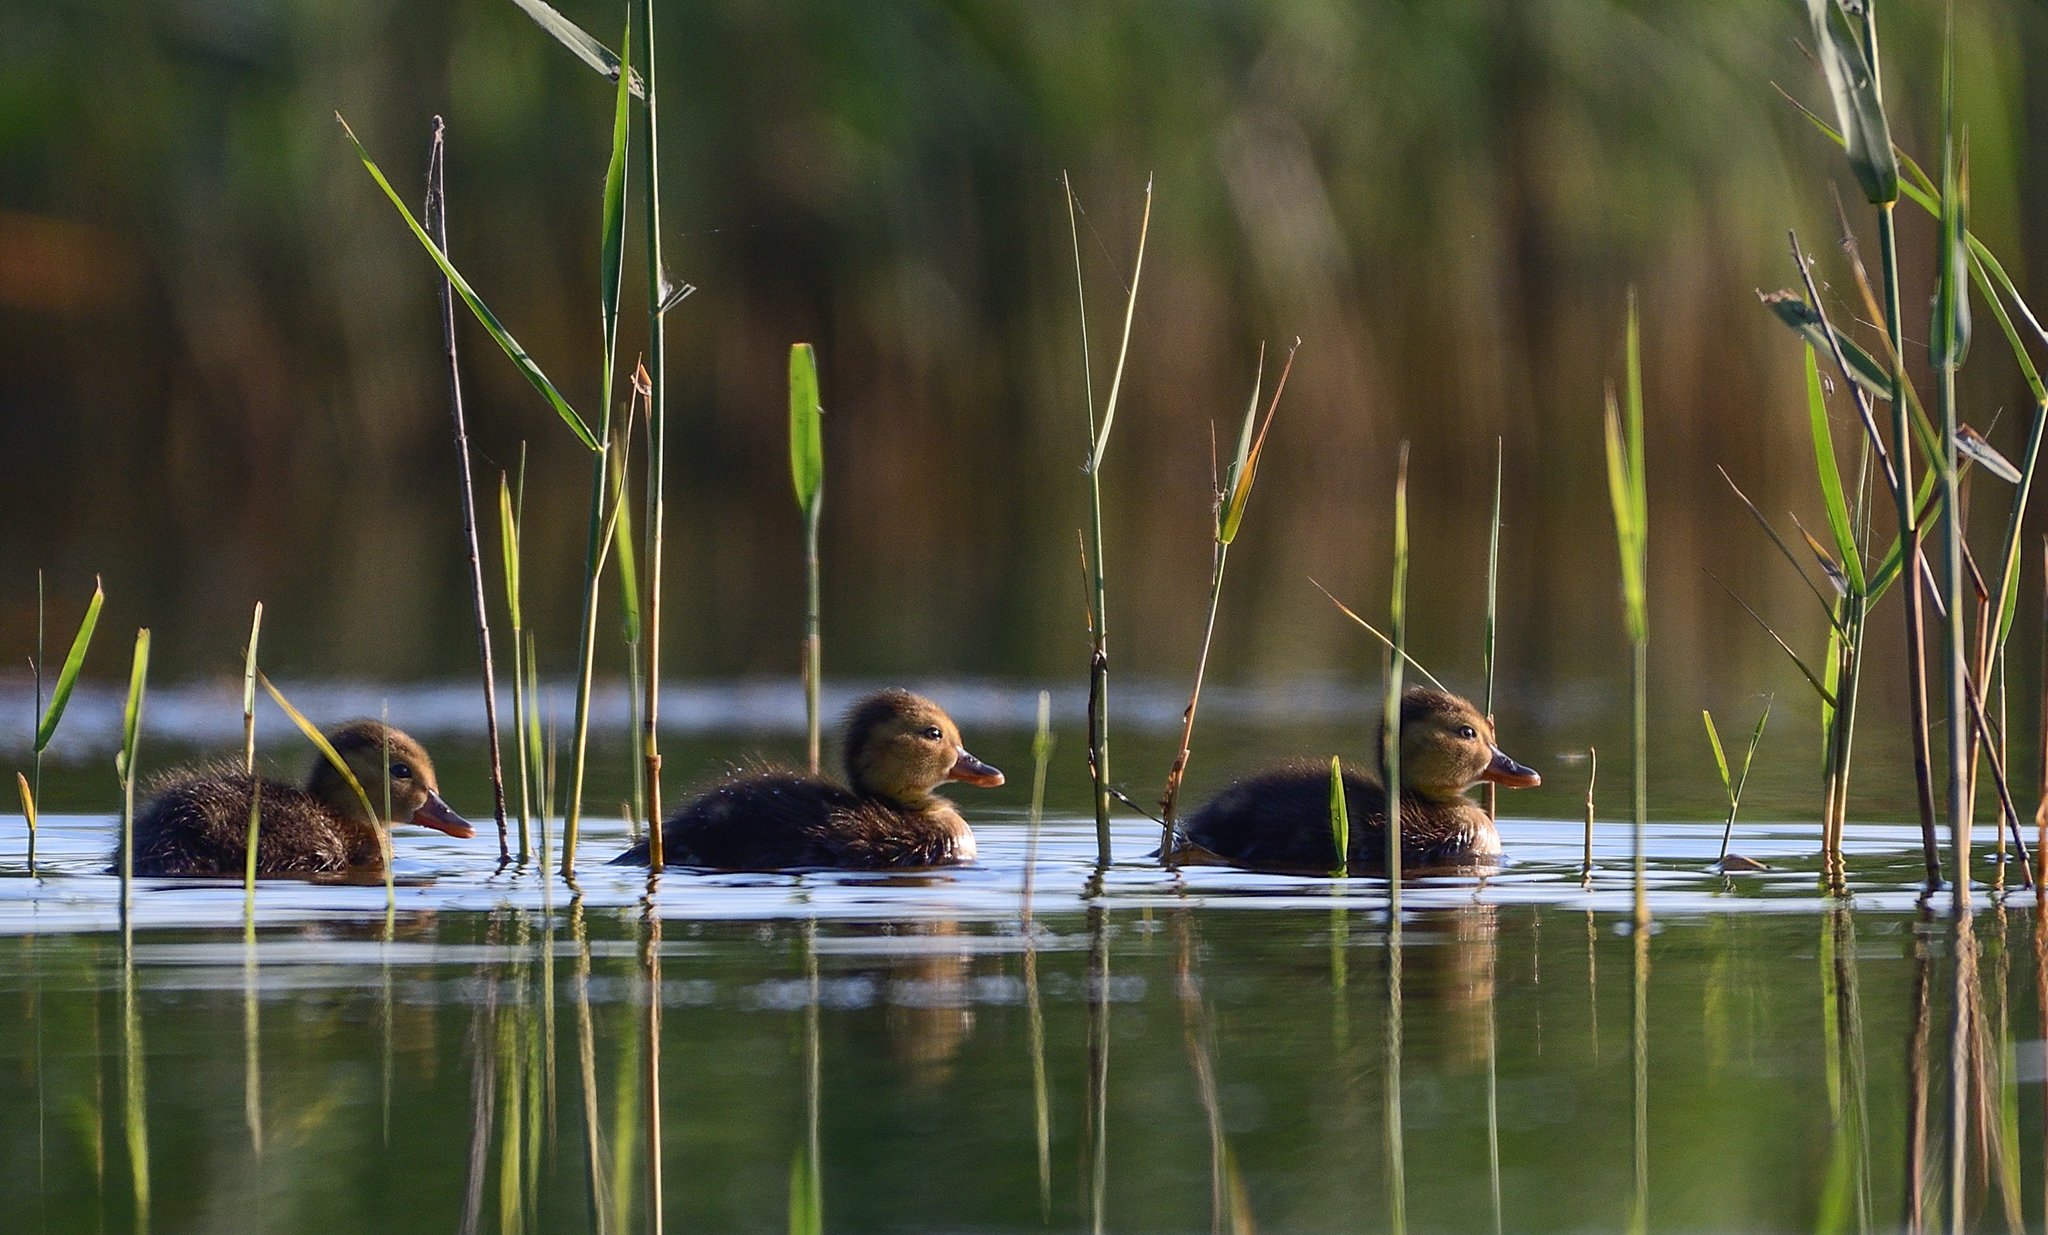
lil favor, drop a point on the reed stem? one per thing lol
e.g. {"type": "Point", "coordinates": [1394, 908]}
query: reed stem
{"type": "Point", "coordinates": [436, 219]}
{"type": "Point", "coordinates": [657, 430]}
{"type": "Point", "coordinates": [1390, 703]}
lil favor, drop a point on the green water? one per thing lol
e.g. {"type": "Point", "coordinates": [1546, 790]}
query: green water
{"type": "Point", "coordinates": [1213, 1045]}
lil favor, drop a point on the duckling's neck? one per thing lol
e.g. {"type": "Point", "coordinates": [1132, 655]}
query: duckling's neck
{"type": "Point", "coordinates": [914, 800]}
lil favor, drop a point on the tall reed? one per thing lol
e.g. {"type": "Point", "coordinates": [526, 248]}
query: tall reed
{"type": "Point", "coordinates": [436, 213]}
{"type": "Point", "coordinates": [661, 297]}
{"type": "Point", "coordinates": [604, 505]}
{"type": "Point", "coordinates": [1628, 493]}
{"type": "Point", "coordinates": [1340, 819]}
{"type": "Point", "coordinates": [509, 508]}
{"type": "Point", "coordinates": [807, 473]}
{"type": "Point", "coordinates": [1493, 609]}
{"type": "Point", "coordinates": [1230, 498]}
{"type": "Point", "coordinates": [47, 715]}
{"type": "Point", "coordinates": [1390, 703]}
{"type": "Point", "coordinates": [1946, 345]}
{"type": "Point", "coordinates": [1098, 443]}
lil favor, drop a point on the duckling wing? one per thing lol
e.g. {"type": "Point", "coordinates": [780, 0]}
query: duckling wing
{"type": "Point", "coordinates": [196, 822]}
{"type": "Point", "coordinates": [763, 820]}
{"type": "Point", "coordinates": [1279, 819]}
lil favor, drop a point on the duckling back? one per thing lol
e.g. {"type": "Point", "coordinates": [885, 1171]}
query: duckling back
{"type": "Point", "coordinates": [782, 820]}
{"type": "Point", "coordinates": [1280, 820]}
{"type": "Point", "coordinates": [197, 823]}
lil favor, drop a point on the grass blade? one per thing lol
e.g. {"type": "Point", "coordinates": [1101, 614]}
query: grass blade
{"type": "Point", "coordinates": [807, 473]}
{"type": "Point", "coordinates": [1858, 107]}
{"type": "Point", "coordinates": [577, 40]}
{"type": "Point", "coordinates": [511, 346]}
{"type": "Point", "coordinates": [1116, 380]}
{"type": "Point", "coordinates": [1380, 635]}
{"type": "Point", "coordinates": [326, 749]}
{"type": "Point", "coordinates": [124, 763]}
{"type": "Point", "coordinates": [1720, 759]}
{"type": "Point", "coordinates": [1837, 505]}
{"type": "Point", "coordinates": [806, 425]}
{"type": "Point", "coordinates": [1244, 469]}
{"type": "Point", "coordinates": [1340, 818]}
{"type": "Point", "coordinates": [612, 246]}
{"type": "Point", "coordinates": [67, 678]}
{"type": "Point", "coordinates": [1792, 309]}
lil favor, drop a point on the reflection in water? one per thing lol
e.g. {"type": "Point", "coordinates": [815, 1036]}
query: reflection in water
{"type": "Point", "coordinates": [1766, 1046]}
{"type": "Point", "coordinates": [1098, 996]}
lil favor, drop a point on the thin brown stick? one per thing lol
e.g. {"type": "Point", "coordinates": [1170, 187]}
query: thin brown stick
{"type": "Point", "coordinates": [437, 226]}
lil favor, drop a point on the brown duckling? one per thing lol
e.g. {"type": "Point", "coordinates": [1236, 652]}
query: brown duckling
{"type": "Point", "coordinates": [898, 748]}
{"type": "Point", "coordinates": [1280, 818]}
{"type": "Point", "coordinates": [196, 821]}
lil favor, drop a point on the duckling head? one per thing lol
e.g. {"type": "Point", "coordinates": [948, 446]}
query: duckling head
{"type": "Point", "coordinates": [900, 746]}
{"type": "Point", "coordinates": [1447, 747]}
{"type": "Point", "coordinates": [378, 754]}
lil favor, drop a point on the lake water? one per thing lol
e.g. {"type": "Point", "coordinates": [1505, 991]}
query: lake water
{"type": "Point", "coordinates": [1151, 1051]}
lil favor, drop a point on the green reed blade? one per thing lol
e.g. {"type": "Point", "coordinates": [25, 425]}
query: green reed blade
{"type": "Point", "coordinates": [1390, 733]}
{"type": "Point", "coordinates": [1720, 759]}
{"type": "Point", "coordinates": [511, 346]}
{"type": "Point", "coordinates": [806, 426]}
{"type": "Point", "coordinates": [612, 244]}
{"type": "Point", "coordinates": [1837, 505]}
{"type": "Point", "coordinates": [1791, 308]}
{"type": "Point", "coordinates": [1493, 578]}
{"type": "Point", "coordinates": [1756, 738]}
{"type": "Point", "coordinates": [573, 37]}
{"type": "Point", "coordinates": [1859, 109]}
{"type": "Point", "coordinates": [67, 677]}
{"type": "Point", "coordinates": [1244, 470]}
{"type": "Point", "coordinates": [807, 474]}
{"type": "Point", "coordinates": [131, 736]}
{"type": "Point", "coordinates": [321, 744]}
{"type": "Point", "coordinates": [1116, 379]}
{"type": "Point", "coordinates": [508, 545]}
{"type": "Point", "coordinates": [1340, 818]}
{"type": "Point", "coordinates": [249, 766]}
{"type": "Point", "coordinates": [629, 564]}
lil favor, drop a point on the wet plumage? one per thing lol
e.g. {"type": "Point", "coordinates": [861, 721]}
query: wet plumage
{"type": "Point", "coordinates": [898, 748]}
{"type": "Point", "coordinates": [1279, 819]}
{"type": "Point", "coordinates": [196, 821]}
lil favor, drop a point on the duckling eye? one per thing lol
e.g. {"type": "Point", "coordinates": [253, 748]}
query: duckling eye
{"type": "Point", "coordinates": [1467, 732]}
{"type": "Point", "coordinates": [932, 733]}
{"type": "Point", "coordinates": [400, 771]}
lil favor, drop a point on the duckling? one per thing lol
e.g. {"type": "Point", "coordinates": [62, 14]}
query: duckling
{"type": "Point", "coordinates": [196, 821]}
{"type": "Point", "coordinates": [898, 747]}
{"type": "Point", "coordinates": [1280, 818]}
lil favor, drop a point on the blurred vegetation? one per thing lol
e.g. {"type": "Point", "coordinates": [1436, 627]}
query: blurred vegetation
{"type": "Point", "coordinates": [220, 378]}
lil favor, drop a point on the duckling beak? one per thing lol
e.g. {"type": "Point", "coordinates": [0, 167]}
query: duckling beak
{"type": "Point", "coordinates": [438, 815]}
{"type": "Point", "coordinates": [1505, 771]}
{"type": "Point", "coordinates": [974, 771]}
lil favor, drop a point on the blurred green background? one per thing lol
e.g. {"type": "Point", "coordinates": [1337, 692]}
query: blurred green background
{"type": "Point", "coordinates": [219, 358]}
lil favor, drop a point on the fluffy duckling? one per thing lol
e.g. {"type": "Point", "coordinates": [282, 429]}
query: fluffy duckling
{"type": "Point", "coordinates": [1280, 818]}
{"type": "Point", "coordinates": [898, 748]}
{"type": "Point", "coordinates": [196, 821]}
